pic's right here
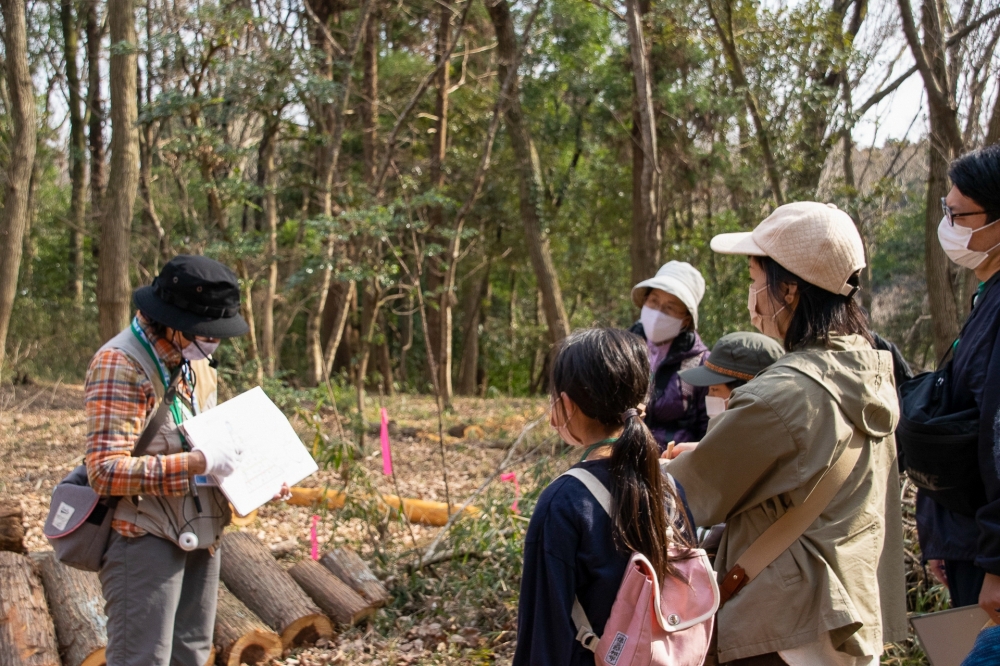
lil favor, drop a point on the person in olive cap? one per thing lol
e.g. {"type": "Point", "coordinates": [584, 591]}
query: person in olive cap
{"type": "Point", "coordinates": [735, 359]}
{"type": "Point", "coordinates": [160, 574]}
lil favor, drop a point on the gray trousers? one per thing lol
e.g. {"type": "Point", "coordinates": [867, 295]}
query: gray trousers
{"type": "Point", "coordinates": [160, 602]}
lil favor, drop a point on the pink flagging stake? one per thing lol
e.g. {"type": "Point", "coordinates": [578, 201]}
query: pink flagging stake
{"type": "Point", "coordinates": [312, 538]}
{"type": "Point", "coordinates": [512, 476]}
{"type": "Point", "coordinates": [386, 450]}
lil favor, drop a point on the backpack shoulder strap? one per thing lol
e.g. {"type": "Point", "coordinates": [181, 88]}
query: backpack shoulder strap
{"type": "Point", "coordinates": [793, 524]}
{"type": "Point", "coordinates": [584, 632]}
{"type": "Point", "coordinates": [594, 485]}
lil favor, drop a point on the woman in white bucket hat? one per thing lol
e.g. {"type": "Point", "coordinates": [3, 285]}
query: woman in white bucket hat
{"type": "Point", "coordinates": [836, 594]}
{"type": "Point", "coordinates": [668, 324]}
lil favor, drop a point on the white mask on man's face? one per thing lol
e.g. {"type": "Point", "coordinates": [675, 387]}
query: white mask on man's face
{"type": "Point", "coordinates": [198, 350]}
{"type": "Point", "coordinates": [955, 243]}
{"type": "Point", "coordinates": [659, 327]}
{"type": "Point", "coordinates": [715, 405]}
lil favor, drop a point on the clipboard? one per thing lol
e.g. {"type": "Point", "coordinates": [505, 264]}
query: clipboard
{"type": "Point", "coordinates": [947, 637]}
{"type": "Point", "coordinates": [272, 452]}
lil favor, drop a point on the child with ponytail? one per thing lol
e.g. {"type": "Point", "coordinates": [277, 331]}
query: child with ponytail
{"type": "Point", "coordinates": [573, 549]}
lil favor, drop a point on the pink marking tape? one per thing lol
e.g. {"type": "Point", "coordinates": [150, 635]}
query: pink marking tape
{"type": "Point", "coordinates": [386, 450]}
{"type": "Point", "coordinates": [512, 476]}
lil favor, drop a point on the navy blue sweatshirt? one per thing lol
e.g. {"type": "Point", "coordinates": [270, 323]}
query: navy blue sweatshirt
{"type": "Point", "coordinates": [568, 552]}
{"type": "Point", "coordinates": [977, 368]}
{"type": "Point", "coordinates": [976, 377]}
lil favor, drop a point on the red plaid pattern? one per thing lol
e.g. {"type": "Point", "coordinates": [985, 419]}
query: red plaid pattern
{"type": "Point", "coordinates": [119, 398]}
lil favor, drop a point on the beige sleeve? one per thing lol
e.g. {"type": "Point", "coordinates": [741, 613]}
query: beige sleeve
{"type": "Point", "coordinates": [745, 447]}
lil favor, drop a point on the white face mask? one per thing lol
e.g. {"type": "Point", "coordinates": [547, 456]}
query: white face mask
{"type": "Point", "coordinates": [198, 350]}
{"type": "Point", "coordinates": [715, 406]}
{"type": "Point", "coordinates": [659, 327]}
{"type": "Point", "coordinates": [955, 243]}
{"type": "Point", "coordinates": [759, 321]}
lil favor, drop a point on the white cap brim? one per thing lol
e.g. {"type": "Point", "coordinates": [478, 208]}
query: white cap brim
{"type": "Point", "coordinates": [738, 243]}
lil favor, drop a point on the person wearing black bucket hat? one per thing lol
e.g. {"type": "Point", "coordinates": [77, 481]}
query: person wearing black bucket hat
{"type": "Point", "coordinates": [160, 572]}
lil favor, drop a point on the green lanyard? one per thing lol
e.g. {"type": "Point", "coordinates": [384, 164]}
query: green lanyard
{"type": "Point", "coordinates": [592, 447]}
{"type": "Point", "coordinates": [175, 406]}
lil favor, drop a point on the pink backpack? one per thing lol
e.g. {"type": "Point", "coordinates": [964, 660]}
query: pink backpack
{"type": "Point", "coordinates": [653, 623]}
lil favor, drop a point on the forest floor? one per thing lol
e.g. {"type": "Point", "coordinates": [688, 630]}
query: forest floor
{"type": "Point", "coordinates": [460, 610]}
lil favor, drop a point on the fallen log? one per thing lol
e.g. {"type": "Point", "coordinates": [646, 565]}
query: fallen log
{"type": "Point", "coordinates": [242, 521]}
{"type": "Point", "coordinates": [345, 564]}
{"type": "Point", "coordinates": [330, 593]}
{"type": "Point", "coordinates": [251, 573]}
{"type": "Point", "coordinates": [240, 636]}
{"type": "Point", "coordinates": [27, 636]}
{"type": "Point", "coordinates": [11, 526]}
{"type": "Point", "coordinates": [424, 512]}
{"type": "Point", "coordinates": [77, 606]}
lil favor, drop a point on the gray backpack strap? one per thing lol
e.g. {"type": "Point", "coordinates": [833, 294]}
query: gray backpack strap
{"type": "Point", "coordinates": [584, 632]}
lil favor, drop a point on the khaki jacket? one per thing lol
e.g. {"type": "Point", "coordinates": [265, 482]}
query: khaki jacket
{"type": "Point", "coordinates": [766, 453]}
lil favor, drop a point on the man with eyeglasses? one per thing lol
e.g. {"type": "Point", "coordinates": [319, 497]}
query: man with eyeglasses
{"type": "Point", "coordinates": [963, 551]}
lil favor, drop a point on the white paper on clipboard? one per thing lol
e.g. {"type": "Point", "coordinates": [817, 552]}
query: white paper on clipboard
{"type": "Point", "coordinates": [272, 452]}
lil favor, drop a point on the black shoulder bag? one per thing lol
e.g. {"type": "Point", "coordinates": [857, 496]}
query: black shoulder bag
{"type": "Point", "coordinates": [939, 441]}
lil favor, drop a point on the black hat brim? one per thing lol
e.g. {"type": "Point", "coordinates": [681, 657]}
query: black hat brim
{"type": "Point", "coordinates": [186, 322]}
{"type": "Point", "coordinates": [702, 376]}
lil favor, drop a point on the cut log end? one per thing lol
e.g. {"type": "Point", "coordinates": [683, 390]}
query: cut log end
{"type": "Point", "coordinates": [332, 595]}
{"type": "Point", "coordinates": [11, 526]}
{"type": "Point", "coordinates": [97, 658]}
{"type": "Point", "coordinates": [306, 631]}
{"type": "Point", "coordinates": [256, 647]}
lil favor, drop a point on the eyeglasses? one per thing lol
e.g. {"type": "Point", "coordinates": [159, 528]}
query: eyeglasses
{"type": "Point", "coordinates": [950, 216]}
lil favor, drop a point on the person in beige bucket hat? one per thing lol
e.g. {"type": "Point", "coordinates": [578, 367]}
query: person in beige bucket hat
{"type": "Point", "coordinates": [836, 595]}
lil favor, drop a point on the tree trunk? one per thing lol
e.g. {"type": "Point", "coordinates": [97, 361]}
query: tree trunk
{"type": "Point", "coordinates": [11, 526]}
{"type": "Point", "coordinates": [939, 269]}
{"type": "Point", "coordinates": [932, 60]}
{"type": "Point", "coordinates": [345, 564]}
{"type": "Point", "coordinates": [240, 636]}
{"type": "Point", "coordinates": [255, 578]}
{"type": "Point", "coordinates": [265, 165]}
{"type": "Point", "coordinates": [529, 177]}
{"type": "Point", "coordinates": [369, 102]}
{"type": "Point", "coordinates": [993, 128]}
{"type": "Point", "coordinates": [146, 152]}
{"type": "Point", "coordinates": [742, 86]}
{"type": "Point", "coordinates": [646, 239]}
{"type": "Point", "coordinates": [442, 318]}
{"type": "Point", "coordinates": [336, 313]}
{"type": "Point", "coordinates": [384, 355]}
{"type": "Point", "coordinates": [77, 154]}
{"type": "Point", "coordinates": [328, 157]}
{"type": "Point", "coordinates": [95, 109]}
{"type": "Point", "coordinates": [77, 605]}
{"type": "Point", "coordinates": [331, 594]}
{"type": "Point", "coordinates": [469, 369]}
{"type": "Point", "coordinates": [246, 305]}
{"type": "Point", "coordinates": [21, 149]}
{"type": "Point", "coordinates": [27, 636]}
{"type": "Point", "coordinates": [113, 284]}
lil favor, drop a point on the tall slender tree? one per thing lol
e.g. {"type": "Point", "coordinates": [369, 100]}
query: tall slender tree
{"type": "Point", "coordinates": [529, 175]}
{"type": "Point", "coordinates": [77, 151]}
{"type": "Point", "coordinates": [114, 261]}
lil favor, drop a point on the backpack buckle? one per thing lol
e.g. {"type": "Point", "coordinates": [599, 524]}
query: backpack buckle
{"type": "Point", "coordinates": [588, 638]}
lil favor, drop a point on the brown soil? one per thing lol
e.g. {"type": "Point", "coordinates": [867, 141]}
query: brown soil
{"type": "Point", "coordinates": [42, 438]}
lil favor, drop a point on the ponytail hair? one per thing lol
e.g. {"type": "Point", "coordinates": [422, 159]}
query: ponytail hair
{"type": "Point", "coordinates": [605, 371]}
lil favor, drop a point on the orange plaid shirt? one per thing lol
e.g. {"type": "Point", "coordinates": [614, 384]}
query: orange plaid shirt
{"type": "Point", "coordinates": [119, 399]}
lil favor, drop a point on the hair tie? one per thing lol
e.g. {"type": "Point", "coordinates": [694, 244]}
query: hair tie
{"type": "Point", "coordinates": [629, 413]}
